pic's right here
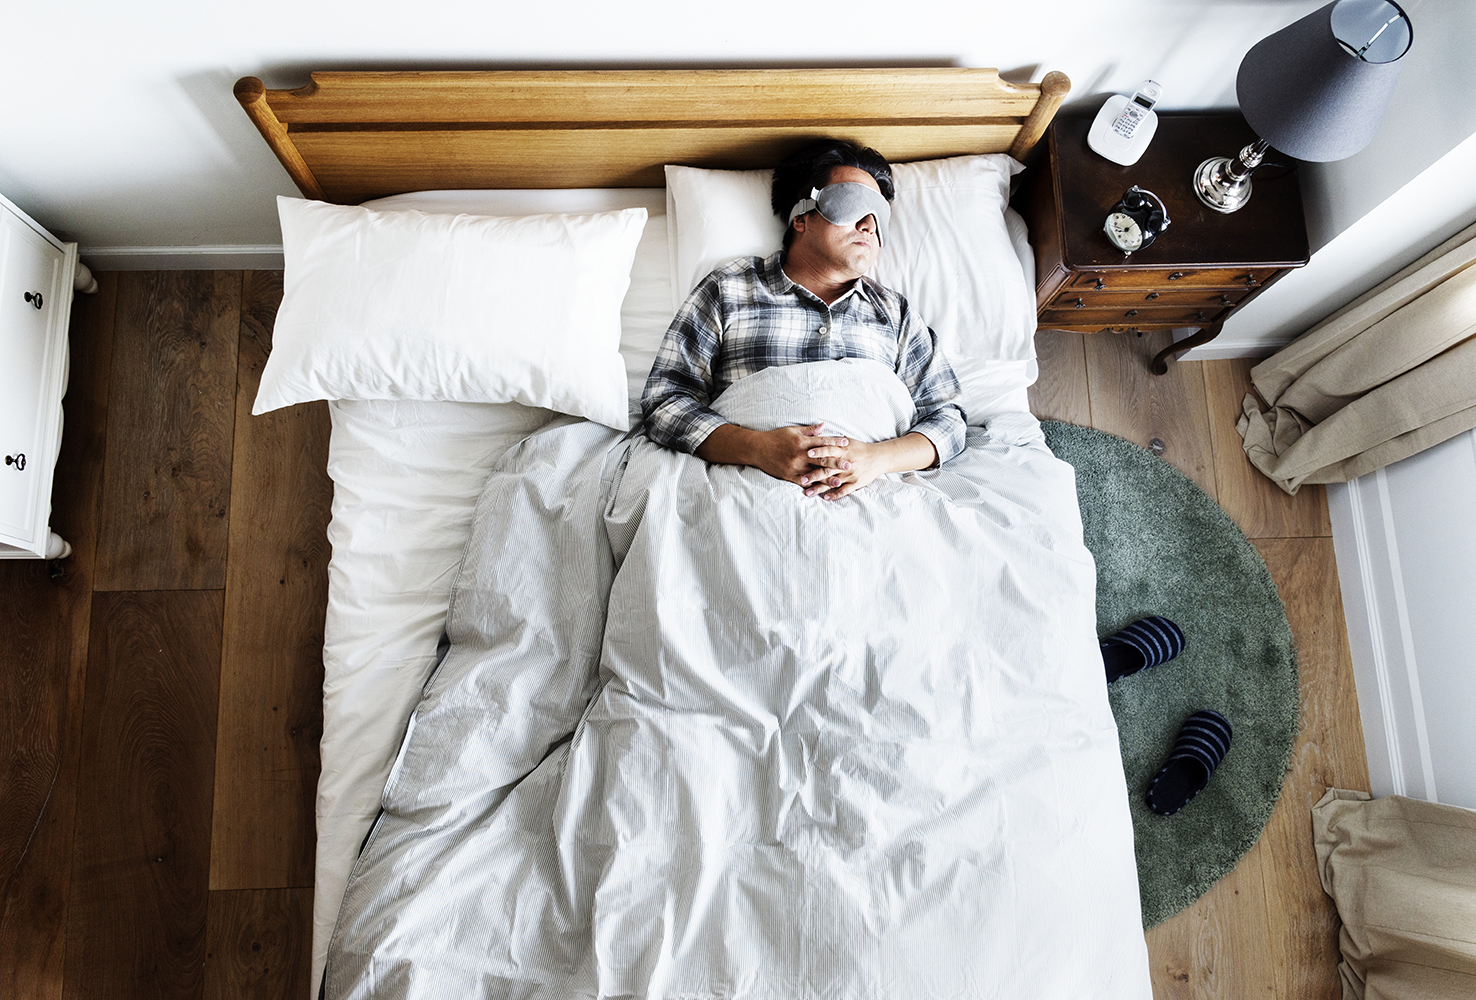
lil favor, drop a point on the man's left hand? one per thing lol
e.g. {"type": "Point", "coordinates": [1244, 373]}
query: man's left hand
{"type": "Point", "coordinates": [844, 469]}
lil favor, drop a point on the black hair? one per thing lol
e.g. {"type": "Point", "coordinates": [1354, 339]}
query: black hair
{"type": "Point", "coordinates": [810, 167]}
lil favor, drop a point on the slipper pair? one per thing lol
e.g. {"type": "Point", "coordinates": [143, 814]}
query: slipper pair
{"type": "Point", "coordinates": [1203, 740]}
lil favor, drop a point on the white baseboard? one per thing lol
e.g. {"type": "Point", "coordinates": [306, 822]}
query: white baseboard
{"type": "Point", "coordinates": [196, 258]}
{"type": "Point", "coordinates": [1223, 347]}
{"type": "Point", "coordinates": [1216, 351]}
{"type": "Point", "coordinates": [1385, 673]}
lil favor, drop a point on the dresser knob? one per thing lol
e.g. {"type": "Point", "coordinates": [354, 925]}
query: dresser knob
{"type": "Point", "coordinates": [1079, 304]}
{"type": "Point", "coordinates": [1176, 275]}
{"type": "Point", "coordinates": [1250, 281]}
{"type": "Point", "coordinates": [34, 298]}
{"type": "Point", "coordinates": [18, 460]}
{"type": "Point", "coordinates": [1225, 300]}
{"type": "Point", "coordinates": [1152, 296]}
{"type": "Point", "coordinates": [1101, 284]}
{"type": "Point", "coordinates": [1131, 312]}
{"type": "Point", "coordinates": [1199, 315]}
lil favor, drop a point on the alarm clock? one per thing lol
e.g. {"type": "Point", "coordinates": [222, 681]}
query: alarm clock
{"type": "Point", "coordinates": [1136, 220]}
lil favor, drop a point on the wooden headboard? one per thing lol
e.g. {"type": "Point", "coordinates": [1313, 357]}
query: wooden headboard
{"type": "Point", "coordinates": [346, 137]}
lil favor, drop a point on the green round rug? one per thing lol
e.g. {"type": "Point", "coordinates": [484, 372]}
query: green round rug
{"type": "Point", "coordinates": [1163, 547]}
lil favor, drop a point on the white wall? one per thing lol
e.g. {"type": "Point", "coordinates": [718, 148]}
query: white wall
{"type": "Point", "coordinates": [1369, 215]}
{"type": "Point", "coordinates": [1405, 538]}
{"type": "Point", "coordinates": [120, 129]}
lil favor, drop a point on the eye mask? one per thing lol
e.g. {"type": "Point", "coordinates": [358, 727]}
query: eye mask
{"type": "Point", "coordinates": [846, 204]}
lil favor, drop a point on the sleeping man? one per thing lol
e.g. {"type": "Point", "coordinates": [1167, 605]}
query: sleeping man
{"type": "Point", "coordinates": [811, 301]}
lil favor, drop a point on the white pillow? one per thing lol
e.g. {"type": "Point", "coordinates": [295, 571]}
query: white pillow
{"type": "Point", "coordinates": [407, 305]}
{"type": "Point", "coordinates": [647, 310]}
{"type": "Point", "coordinates": [949, 250]}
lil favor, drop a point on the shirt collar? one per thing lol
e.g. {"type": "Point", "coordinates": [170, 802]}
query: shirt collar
{"type": "Point", "coordinates": [780, 284]}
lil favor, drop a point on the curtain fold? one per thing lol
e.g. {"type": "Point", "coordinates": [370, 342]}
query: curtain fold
{"type": "Point", "coordinates": [1389, 375]}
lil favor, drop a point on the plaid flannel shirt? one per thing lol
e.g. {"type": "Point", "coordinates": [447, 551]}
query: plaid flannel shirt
{"type": "Point", "coordinates": [747, 316]}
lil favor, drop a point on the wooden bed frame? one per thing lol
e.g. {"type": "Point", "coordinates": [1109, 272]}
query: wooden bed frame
{"type": "Point", "coordinates": [348, 137]}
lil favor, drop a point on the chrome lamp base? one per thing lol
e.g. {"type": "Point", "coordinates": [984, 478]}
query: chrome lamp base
{"type": "Point", "coordinates": [1224, 184]}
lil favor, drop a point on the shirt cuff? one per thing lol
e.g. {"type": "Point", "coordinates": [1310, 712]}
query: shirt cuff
{"type": "Point", "coordinates": [944, 427]}
{"type": "Point", "coordinates": [699, 429]}
{"type": "Point", "coordinates": [682, 424]}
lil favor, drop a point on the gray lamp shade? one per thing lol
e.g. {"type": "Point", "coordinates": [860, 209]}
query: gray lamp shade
{"type": "Point", "coordinates": [1306, 94]}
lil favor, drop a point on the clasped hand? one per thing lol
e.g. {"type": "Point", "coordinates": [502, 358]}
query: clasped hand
{"type": "Point", "coordinates": [827, 467]}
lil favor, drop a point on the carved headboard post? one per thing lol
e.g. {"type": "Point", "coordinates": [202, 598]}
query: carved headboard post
{"type": "Point", "coordinates": [1054, 87]}
{"type": "Point", "coordinates": [252, 94]}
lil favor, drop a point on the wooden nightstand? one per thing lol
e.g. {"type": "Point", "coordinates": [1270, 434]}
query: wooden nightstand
{"type": "Point", "coordinates": [1199, 270]}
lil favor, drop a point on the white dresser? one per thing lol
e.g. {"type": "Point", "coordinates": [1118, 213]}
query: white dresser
{"type": "Point", "coordinates": [37, 272]}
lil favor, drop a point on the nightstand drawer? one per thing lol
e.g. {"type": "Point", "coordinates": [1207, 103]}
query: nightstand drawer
{"type": "Point", "coordinates": [1198, 298]}
{"type": "Point", "coordinates": [1164, 278]}
{"type": "Point", "coordinates": [1156, 318]}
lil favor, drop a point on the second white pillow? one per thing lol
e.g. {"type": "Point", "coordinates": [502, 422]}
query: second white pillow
{"type": "Point", "coordinates": [406, 305]}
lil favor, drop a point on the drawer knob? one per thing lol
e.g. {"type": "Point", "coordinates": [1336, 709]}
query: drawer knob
{"type": "Point", "coordinates": [1101, 284]}
{"type": "Point", "coordinates": [1176, 275]}
{"type": "Point", "coordinates": [34, 298]}
{"type": "Point", "coordinates": [18, 460]}
{"type": "Point", "coordinates": [1199, 315]}
{"type": "Point", "coordinates": [1152, 296]}
{"type": "Point", "coordinates": [1079, 304]}
{"type": "Point", "coordinates": [1131, 312]}
{"type": "Point", "coordinates": [1250, 281]}
{"type": "Point", "coordinates": [1225, 300]}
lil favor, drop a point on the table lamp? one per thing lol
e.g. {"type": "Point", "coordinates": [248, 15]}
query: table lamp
{"type": "Point", "coordinates": [1316, 90]}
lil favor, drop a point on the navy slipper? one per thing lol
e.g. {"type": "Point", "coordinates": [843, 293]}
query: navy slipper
{"type": "Point", "coordinates": [1202, 743]}
{"type": "Point", "coordinates": [1147, 642]}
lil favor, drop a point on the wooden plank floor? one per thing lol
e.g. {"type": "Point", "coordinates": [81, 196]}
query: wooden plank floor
{"type": "Point", "coordinates": [160, 703]}
{"type": "Point", "coordinates": [1267, 929]}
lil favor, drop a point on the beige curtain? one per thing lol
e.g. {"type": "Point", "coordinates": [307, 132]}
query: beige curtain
{"type": "Point", "coordinates": [1403, 875]}
{"type": "Point", "coordinates": [1391, 374]}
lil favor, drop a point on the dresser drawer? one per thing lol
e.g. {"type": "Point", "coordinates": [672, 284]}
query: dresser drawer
{"type": "Point", "coordinates": [1138, 298]}
{"type": "Point", "coordinates": [1162, 278]}
{"type": "Point", "coordinates": [36, 273]}
{"type": "Point", "coordinates": [1144, 318]}
{"type": "Point", "coordinates": [29, 273]}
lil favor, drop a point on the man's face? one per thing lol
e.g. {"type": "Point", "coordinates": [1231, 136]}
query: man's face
{"type": "Point", "coordinates": [852, 249]}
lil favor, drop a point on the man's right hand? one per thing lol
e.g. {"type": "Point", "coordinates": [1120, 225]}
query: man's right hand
{"type": "Point", "coordinates": [782, 453]}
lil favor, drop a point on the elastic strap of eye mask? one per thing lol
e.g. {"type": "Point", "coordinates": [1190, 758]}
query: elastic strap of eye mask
{"type": "Point", "coordinates": [804, 205]}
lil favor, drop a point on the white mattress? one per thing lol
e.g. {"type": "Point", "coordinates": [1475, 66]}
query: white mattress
{"type": "Point", "coordinates": [406, 479]}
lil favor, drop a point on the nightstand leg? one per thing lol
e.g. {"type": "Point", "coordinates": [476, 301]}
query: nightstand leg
{"type": "Point", "coordinates": [1204, 336]}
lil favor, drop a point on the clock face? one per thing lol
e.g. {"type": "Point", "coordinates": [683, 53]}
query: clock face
{"type": "Point", "coordinates": [1124, 231]}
